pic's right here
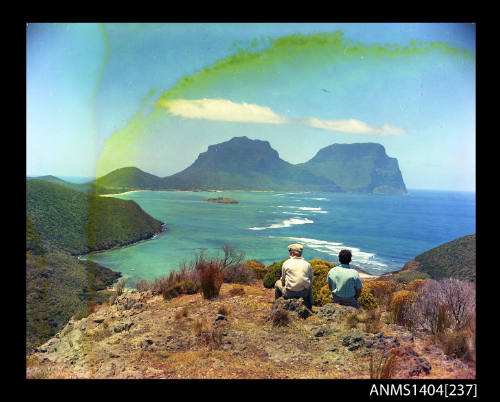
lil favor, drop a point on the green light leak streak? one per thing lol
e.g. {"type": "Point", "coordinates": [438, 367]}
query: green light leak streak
{"type": "Point", "coordinates": [258, 60]}
{"type": "Point", "coordinates": [306, 50]}
{"type": "Point", "coordinates": [90, 226]}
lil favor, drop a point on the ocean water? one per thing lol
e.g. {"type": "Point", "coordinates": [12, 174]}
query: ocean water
{"type": "Point", "coordinates": [382, 231]}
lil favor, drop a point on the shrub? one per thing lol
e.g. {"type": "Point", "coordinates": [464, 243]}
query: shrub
{"type": "Point", "coordinates": [448, 303]}
{"type": "Point", "coordinates": [366, 299]}
{"type": "Point", "coordinates": [207, 335]}
{"type": "Point", "coordinates": [458, 344]}
{"type": "Point", "coordinates": [211, 278]}
{"type": "Point", "coordinates": [237, 291]}
{"type": "Point", "coordinates": [239, 273]}
{"type": "Point", "coordinates": [416, 285]}
{"type": "Point", "coordinates": [371, 321]}
{"type": "Point", "coordinates": [351, 320]}
{"type": "Point", "coordinates": [400, 307]}
{"type": "Point", "coordinates": [381, 290]}
{"type": "Point", "coordinates": [324, 296]}
{"type": "Point", "coordinates": [281, 318]}
{"type": "Point", "coordinates": [259, 268]}
{"type": "Point", "coordinates": [179, 288]}
{"type": "Point", "coordinates": [320, 271]}
{"type": "Point", "coordinates": [142, 285]}
{"type": "Point", "coordinates": [120, 286]}
{"type": "Point", "coordinates": [409, 276]}
{"type": "Point", "coordinates": [382, 365]}
{"type": "Point", "coordinates": [273, 273]}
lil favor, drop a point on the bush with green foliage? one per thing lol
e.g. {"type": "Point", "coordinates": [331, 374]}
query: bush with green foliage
{"type": "Point", "coordinates": [258, 267]}
{"type": "Point", "coordinates": [409, 276]}
{"type": "Point", "coordinates": [323, 296]}
{"type": "Point", "coordinates": [320, 269]}
{"type": "Point", "coordinates": [366, 299]}
{"type": "Point", "coordinates": [179, 288]}
{"type": "Point", "coordinates": [273, 274]}
{"type": "Point", "coordinates": [381, 290]}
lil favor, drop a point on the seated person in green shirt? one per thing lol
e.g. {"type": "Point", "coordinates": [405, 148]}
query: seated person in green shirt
{"type": "Point", "coordinates": [344, 282]}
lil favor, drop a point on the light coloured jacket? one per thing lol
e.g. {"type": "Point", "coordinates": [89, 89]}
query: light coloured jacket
{"type": "Point", "coordinates": [296, 274]}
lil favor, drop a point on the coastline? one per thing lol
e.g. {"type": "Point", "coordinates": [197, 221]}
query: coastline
{"type": "Point", "coordinates": [126, 192]}
{"type": "Point", "coordinates": [154, 236]}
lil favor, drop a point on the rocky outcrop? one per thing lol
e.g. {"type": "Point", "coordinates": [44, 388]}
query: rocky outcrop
{"type": "Point", "coordinates": [141, 335]}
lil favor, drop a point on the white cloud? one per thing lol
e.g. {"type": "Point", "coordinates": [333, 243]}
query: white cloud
{"type": "Point", "coordinates": [226, 110]}
{"type": "Point", "coordinates": [351, 126]}
{"type": "Point", "coordinates": [223, 110]}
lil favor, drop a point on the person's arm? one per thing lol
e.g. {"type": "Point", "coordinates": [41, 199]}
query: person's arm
{"type": "Point", "coordinates": [283, 275]}
{"type": "Point", "coordinates": [310, 274]}
{"type": "Point", "coordinates": [358, 286]}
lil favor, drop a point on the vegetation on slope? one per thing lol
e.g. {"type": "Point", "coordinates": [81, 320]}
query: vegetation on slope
{"type": "Point", "coordinates": [361, 168]}
{"type": "Point", "coordinates": [455, 259]}
{"type": "Point", "coordinates": [58, 285]}
{"type": "Point", "coordinates": [73, 222]}
{"type": "Point", "coordinates": [60, 222]}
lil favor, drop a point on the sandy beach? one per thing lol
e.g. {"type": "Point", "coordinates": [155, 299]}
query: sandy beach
{"type": "Point", "coordinates": [126, 192]}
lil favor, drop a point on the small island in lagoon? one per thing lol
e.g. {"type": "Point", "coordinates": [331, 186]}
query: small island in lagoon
{"type": "Point", "coordinates": [222, 200]}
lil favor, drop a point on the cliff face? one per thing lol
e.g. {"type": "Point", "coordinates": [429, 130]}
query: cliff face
{"type": "Point", "coordinates": [358, 168]}
{"type": "Point", "coordinates": [246, 164]}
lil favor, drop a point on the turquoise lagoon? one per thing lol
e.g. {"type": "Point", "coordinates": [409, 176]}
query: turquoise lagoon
{"type": "Point", "coordinates": [382, 231]}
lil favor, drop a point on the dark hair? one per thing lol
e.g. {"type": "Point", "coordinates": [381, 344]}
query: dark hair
{"type": "Point", "coordinates": [345, 256]}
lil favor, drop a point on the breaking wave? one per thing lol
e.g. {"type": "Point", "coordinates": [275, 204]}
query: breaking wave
{"type": "Point", "coordinates": [285, 224]}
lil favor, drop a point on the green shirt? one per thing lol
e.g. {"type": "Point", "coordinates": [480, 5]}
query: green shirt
{"type": "Point", "coordinates": [344, 281]}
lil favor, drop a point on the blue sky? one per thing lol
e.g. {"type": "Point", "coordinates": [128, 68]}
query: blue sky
{"type": "Point", "coordinates": [104, 96]}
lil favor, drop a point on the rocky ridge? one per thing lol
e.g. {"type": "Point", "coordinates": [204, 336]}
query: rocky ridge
{"type": "Point", "coordinates": [143, 336]}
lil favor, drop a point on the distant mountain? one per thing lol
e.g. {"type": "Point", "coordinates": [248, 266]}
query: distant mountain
{"type": "Point", "coordinates": [71, 221]}
{"type": "Point", "coordinates": [358, 168]}
{"type": "Point", "coordinates": [84, 187]}
{"type": "Point", "coordinates": [245, 164]}
{"type": "Point", "coordinates": [129, 178]}
{"type": "Point", "coordinates": [455, 259]}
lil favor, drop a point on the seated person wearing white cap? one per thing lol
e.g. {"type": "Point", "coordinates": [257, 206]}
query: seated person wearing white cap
{"type": "Point", "coordinates": [296, 277]}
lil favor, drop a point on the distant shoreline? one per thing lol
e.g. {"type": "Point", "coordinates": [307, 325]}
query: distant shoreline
{"type": "Point", "coordinates": [154, 236]}
{"type": "Point", "coordinates": [126, 192]}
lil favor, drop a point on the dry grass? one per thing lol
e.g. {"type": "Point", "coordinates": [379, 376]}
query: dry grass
{"type": "Point", "coordinates": [383, 365]}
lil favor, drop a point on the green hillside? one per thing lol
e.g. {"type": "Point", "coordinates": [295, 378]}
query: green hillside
{"type": "Point", "coordinates": [128, 178]}
{"type": "Point", "coordinates": [62, 222]}
{"type": "Point", "coordinates": [83, 187]}
{"type": "Point", "coordinates": [455, 259]}
{"type": "Point", "coordinates": [71, 221]}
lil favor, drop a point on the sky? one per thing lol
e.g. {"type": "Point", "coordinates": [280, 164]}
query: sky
{"type": "Point", "coordinates": [104, 96]}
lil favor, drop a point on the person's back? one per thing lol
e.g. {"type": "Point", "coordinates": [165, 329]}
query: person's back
{"type": "Point", "coordinates": [297, 273]}
{"type": "Point", "coordinates": [296, 277]}
{"type": "Point", "coordinates": [344, 282]}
